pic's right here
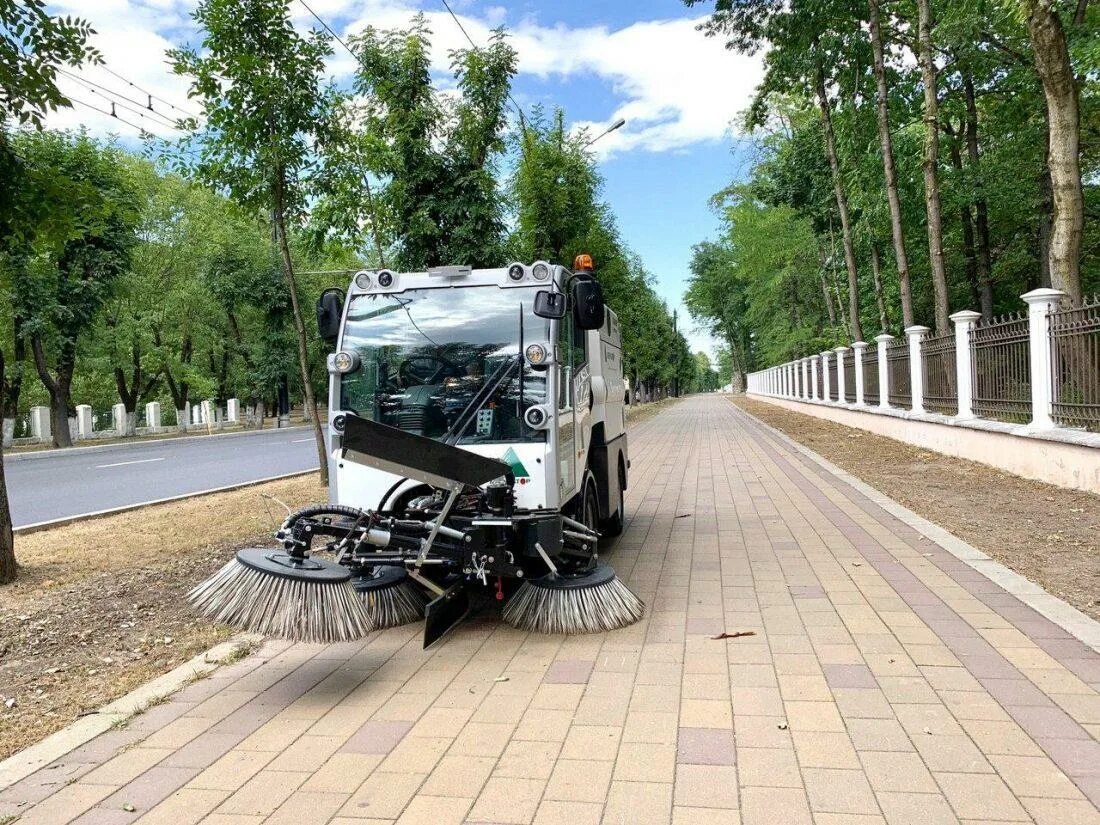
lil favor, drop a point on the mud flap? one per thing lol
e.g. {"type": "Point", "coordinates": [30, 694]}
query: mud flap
{"type": "Point", "coordinates": [443, 614]}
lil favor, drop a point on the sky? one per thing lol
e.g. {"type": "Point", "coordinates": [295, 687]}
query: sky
{"type": "Point", "coordinates": [600, 60]}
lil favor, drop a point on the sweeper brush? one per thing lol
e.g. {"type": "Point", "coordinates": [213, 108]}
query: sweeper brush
{"type": "Point", "coordinates": [284, 595]}
{"type": "Point", "coordinates": [592, 602]}
{"type": "Point", "coordinates": [390, 598]}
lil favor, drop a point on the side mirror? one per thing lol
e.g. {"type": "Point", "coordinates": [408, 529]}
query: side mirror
{"type": "Point", "coordinates": [330, 309]}
{"type": "Point", "coordinates": [550, 304]}
{"type": "Point", "coordinates": [588, 306]}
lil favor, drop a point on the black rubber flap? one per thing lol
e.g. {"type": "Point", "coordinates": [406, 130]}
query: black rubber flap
{"type": "Point", "coordinates": [274, 563]}
{"type": "Point", "coordinates": [380, 578]}
{"type": "Point", "coordinates": [419, 453]}
{"type": "Point", "coordinates": [443, 614]}
{"type": "Point", "coordinates": [600, 574]}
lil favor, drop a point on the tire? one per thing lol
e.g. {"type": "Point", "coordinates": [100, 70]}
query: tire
{"type": "Point", "coordinates": [614, 524]}
{"type": "Point", "coordinates": [590, 507]}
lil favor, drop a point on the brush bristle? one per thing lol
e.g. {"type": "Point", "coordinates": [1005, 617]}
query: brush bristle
{"type": "Point", "coordinates": [287, 608]}
{"type": "Point", "coordinates": [597, 609]}
{"type": "Point", "coordinates": [403, 603]}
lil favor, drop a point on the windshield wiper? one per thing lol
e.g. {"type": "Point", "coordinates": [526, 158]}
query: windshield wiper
{"type": "Point", "coordinates": [492, 383]}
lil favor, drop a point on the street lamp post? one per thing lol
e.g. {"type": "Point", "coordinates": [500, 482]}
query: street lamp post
{"type": "Point", "coordinates": [618, 124]}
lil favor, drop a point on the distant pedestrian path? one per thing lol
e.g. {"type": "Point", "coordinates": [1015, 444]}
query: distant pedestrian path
{"type": "Point", "coordinates": [882, 680]}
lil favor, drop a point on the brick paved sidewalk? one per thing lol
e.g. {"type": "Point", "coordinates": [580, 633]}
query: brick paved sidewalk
{"type": "Point", "coordinates": [887, 682]}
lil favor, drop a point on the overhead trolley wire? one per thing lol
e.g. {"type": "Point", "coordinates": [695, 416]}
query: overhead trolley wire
{"type": "Point", "coordinates": [109, 94]}
{"type": "Point", "coordinates": [148, 93]}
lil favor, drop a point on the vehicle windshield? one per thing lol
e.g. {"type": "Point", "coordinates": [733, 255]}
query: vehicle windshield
{"type": "Point", "coordinates": [431, 357]}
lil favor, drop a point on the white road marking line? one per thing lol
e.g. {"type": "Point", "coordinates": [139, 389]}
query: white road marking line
{"type": "Point", "coordinates": [301, 440]}
{"type": "Point", "coordinates": [124, 463]}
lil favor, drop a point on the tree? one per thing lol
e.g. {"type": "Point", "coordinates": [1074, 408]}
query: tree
{"type": "Point", "coordinates": [82, 245]}
{"type": "Point", "coordinates": [32, 45]}
{"type": "Point", "coordinates": [933, 207]}
{"type": "Point", "coordinates": [882, 110]}
{"type": "Point", "coordinates": [1055, 70]}
{"type": "Point", "coordinates": [430, 154]}
{"type": "Point", "coordinates": [259, 83]}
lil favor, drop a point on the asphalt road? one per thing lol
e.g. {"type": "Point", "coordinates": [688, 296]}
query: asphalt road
{"type": "Point", "coordinates": [61, 483]}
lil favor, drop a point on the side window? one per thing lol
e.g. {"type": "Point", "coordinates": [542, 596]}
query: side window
{"type": "Point", "coordinates": [565, 368]}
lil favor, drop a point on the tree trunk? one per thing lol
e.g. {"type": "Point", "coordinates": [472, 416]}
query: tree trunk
{"type": "Point", "coordinates": [880, 300]}
{"type": "Point", "coordinates": [981, 209]}
{"type": "Point", "coordinates": [8, 567]}
{"type": "Point", "coordinates": [897, 227]}
{"type": "Point", "coordinates": [829, 305]}
{"type": "Point", "coordinates": [966, 217]}
{"type": "Point", "coordinates": [299, 324]}
{"type": "Point", "coordinates": [932, 204]}
{"type": "Point", "coordinates": [1052, 64]}
{"type": "Point", "coordinates": [842, 208]}
{"type": "Point", "coordinates": [59, 389]}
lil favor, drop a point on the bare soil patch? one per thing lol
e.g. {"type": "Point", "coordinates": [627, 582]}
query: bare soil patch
{"type": "Point", "coordinates": [1048, 534]}
{"type": "Point", "coordinates": [99, 608]}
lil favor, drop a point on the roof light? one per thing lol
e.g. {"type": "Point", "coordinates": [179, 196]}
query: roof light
{"type": "Point", "coordinates": [385, 278]}
{"type": "Point", "coordinates": [362, 279]}
{"type": "Point", "coordinates": [516, 272]}
{"type": "Point", "coordinates": [344, 362]}
{"type": "Point", "coordinates": [583, 263]}
{"type": "Point", "coordinates": [540, 271]}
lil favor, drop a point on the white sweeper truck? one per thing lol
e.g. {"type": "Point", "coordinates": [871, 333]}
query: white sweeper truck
{"type": "Point", "coordinates": [478, 455]}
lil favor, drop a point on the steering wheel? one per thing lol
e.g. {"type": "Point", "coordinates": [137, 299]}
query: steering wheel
{"type": "Point", "coordinates": [424, 369]}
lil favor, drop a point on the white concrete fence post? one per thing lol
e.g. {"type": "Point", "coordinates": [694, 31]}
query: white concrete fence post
{"type": "Point", "coordinates": [916, 366]}
{"type": "Point", "coordinates": [883, 370]}
{"type": "Point", "coordinates": [40, 423]}
{"type": "Point", "coordinates": [83, 421]}
{"type": "Point", "coordinates": [815, 388]}
{"type": "Point", "coordinates": [841, 378]}
{"type": "Point", "coordinates": [826, 379]}
{"type": "Point", "coordinates": [803, 377]}
{"type": "Point", "coordinates": [1040, 303]}
{"type": "Point", "coordinates": [118, 419]}
{"type": "Point", "coordinates": [964, 374]}
{"type": "Point", "coordinates": [858, 350]}
{"type": "Point", "coordinates": [152, 416]}
{"type": "Point", "coordinates": [208, 413]}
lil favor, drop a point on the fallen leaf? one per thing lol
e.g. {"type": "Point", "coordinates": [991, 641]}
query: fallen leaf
{"type": "Point", "coordinates": [501, 679]}
{"type": "Point", "coordinates": [126, 806]}
{"type": "Point", "coordinates": [782, 726]}
{"type": "Point", "coordinates": [736, 635]}
{"type": "Point", "coordinates": [683, 515]}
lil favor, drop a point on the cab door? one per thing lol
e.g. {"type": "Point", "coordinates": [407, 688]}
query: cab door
{"type": "Point", "coordinates": [567, 425]}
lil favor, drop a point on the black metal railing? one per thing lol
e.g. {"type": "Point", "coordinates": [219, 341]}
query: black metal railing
{"type": "Point", "coordinates": [870, 377]}
{"type": "Point", "coordinates": [897, 366]}
{"type": "Point", "coordinates": [1001, 368]}
{"type": "Point", "coordinates": [834, 381]}
{"type": "Point", "coordinates": [941, 390]}
{"type": "Point", "coordinates": [850, 377]}
{"type": "Point", "coordinates": [1075, 365]}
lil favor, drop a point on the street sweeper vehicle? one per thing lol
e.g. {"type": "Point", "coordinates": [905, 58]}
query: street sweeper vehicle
{"type": "Point", "coordinates": [478, 453]}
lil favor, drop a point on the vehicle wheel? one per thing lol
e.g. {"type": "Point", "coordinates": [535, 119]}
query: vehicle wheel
{"type": "Point", "coordinates": [590, 514]}
{"type": "Point", "coordinates": [613, 526]}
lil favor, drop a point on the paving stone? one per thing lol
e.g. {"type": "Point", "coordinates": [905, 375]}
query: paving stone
{"type": "Point", "coordinates": [888, 682]}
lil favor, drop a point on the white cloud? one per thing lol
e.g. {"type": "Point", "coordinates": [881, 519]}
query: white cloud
{"type": "Point", "coordinates": [674, 86]}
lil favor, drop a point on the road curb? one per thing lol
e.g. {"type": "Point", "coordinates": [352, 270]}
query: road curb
{"type": "Point", "coordinates": [61, 522]}
{"type": "Point", "coordinates": [1066, 616]}
{"type": "Point", "coordinates": [83, 730]}
{"type": "Point", "coordinates": [55, 452]}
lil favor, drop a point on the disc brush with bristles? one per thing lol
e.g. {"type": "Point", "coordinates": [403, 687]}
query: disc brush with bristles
{"type": "Point", "coordinates": [592, 602]}
{"type": "Point", "coordinates": [390, 597]}
{"type": "Point", "coordinates": [276, 594]}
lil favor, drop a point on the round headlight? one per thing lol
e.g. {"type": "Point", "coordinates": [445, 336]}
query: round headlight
{"type": "Point", "coordinates": [536, 354]}
{"type": "Point", "coordinates": [385, 278]}
{"type": "Point", "coordinates": [362, 280]}
{"type": "Point", "coordinates": [541, 271]}
{"type": "Point", "coordinates": [345, 362]}
{"type": "Point", "coordinates": [516, 272]}
{"type": "Point", "coordinates": [535, 417]}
